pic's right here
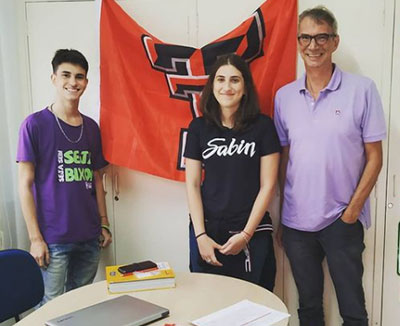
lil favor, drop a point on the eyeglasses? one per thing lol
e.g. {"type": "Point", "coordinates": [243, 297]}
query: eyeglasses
{"type": "Point", "coordinates": [320, 39]}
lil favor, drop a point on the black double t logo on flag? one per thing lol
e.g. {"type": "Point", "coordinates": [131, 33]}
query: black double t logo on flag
{"type": "Point", "coordinates": [178, 63]}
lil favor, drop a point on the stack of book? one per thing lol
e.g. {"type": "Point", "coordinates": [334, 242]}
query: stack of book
{"type": "Point", "coordinates": [160, 278]}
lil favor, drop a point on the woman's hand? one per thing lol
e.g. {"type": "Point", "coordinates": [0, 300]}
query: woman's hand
{"type": "Point", "coordinates": [234, 245]}
{"type": "Point", "coordinates": [207, 248]}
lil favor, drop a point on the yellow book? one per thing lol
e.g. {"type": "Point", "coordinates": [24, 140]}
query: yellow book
{"type": "Point", "coordinates": [161, 278]}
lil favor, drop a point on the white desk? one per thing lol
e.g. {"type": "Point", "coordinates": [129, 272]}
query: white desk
{"type": "Point", "coordinates": [195, 295]}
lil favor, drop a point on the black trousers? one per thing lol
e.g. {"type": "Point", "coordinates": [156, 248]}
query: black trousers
{"type": "Point", "coordinates": [263, 264]}
{"type": "Point", "coordinates": [342, 244]}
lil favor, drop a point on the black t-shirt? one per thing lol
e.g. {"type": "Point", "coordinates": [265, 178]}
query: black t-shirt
{"type": "Point", "coordinates": [231, 162]}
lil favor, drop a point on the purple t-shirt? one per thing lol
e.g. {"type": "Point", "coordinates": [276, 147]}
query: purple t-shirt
{"type": "Point", "coordinates": [64, 187]}
{"type": "Point", "coordinates": [326, 139]}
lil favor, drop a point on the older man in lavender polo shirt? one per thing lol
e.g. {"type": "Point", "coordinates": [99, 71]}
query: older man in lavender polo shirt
{"type": "Point", "coordinates": [330, 124]}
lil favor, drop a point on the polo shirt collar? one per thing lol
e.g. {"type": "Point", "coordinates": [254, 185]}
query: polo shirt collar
{"type": "Point", "coordinates": [333, 84]}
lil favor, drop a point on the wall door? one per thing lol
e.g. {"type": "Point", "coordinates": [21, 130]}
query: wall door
{"type": "Point", "coordinates": [391, 282]}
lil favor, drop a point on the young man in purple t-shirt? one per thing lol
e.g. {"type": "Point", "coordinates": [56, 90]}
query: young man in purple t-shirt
{"type": "Point", "coordinates": [330, 124]}
{"type": "Point", "coordinates": [60, 185]}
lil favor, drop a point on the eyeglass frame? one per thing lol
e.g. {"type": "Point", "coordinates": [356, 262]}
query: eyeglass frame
{"type": "Point", "coordinates": [314, 37]}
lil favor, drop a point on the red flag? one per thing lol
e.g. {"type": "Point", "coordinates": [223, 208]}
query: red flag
{"type": "Point", "coordinates": [150, 90]}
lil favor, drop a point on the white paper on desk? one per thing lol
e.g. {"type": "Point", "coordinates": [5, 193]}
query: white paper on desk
{"type": "Point", "coordinates": [243, 313]}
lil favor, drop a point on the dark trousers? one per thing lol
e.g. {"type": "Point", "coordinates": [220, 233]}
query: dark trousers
{"type": "Point", "coordinates": [263, 264]}
{"type": "Point", "coordinates": [342, 244]}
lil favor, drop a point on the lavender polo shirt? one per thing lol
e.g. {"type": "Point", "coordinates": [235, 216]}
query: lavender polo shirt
{"type": "Point", "coordinates": [326, 139]}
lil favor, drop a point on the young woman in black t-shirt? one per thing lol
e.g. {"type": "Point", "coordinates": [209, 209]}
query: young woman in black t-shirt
{"type": "Point", "coordinates": [230, 230]}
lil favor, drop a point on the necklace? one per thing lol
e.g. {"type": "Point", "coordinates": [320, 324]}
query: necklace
{"type": "Point", "coordinates": [62, 130]}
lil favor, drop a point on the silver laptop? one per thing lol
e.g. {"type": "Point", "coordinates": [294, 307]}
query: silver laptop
{"type": "Point", "coordinates": [122, 311]}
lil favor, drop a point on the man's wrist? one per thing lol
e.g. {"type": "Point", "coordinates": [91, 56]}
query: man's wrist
{"type": "Point", "coordinates": [104, 220]}
{"type": "Point", "coordinates": [107, 228]}
{"type": "Point", "coordinates": [351, 213]}
{"type": "Point", "coordinates": [36, 238]}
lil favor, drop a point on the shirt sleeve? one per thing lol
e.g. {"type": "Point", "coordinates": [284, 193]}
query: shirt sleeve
{"type": "Point", "coordinates": [373, 119]}
{"type": "Point", "coordinates": [192, 147]}
{"type": "Point", "coordinates": [270, 141]}
{"type": "Point", "coordinates": [98, 160]}
{"type": "Point", "coordinates": [27, 142]}
{"type": "Point", "coordinates": [279, 122]}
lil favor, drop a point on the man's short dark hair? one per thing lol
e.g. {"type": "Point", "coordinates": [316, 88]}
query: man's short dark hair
{"type": "Point", "coordinates": [320, 14]}
{"type": "Point", "coordinates": [69, 56]}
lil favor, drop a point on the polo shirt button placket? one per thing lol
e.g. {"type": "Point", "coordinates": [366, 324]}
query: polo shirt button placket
{"type": "Point", "coordinates": [313, 109]}
{"type": "Point", "coordinates": [312, 102]}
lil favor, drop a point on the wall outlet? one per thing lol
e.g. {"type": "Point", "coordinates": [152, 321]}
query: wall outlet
{"type": "Point", "coordinates": [1, 240]}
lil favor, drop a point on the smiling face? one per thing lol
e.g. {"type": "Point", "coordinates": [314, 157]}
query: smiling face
{"type": "Point", "coordinates": [315, 55]}
{"type": "Point", "coordinates": [228, 87]}
{"type": "Point", "coordinates": [70, 81]}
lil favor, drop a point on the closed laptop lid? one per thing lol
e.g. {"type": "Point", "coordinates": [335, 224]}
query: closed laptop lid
{"type": "Point", "coordinates": [122, 311]}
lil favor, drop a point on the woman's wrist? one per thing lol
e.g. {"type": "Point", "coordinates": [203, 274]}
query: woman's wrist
{"type": "Point", "coordinates": [200, 234]}
{"type": "Point", "coordinates": [248, 233]}
{"type": "Point", "coordinates": [246, 236]}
